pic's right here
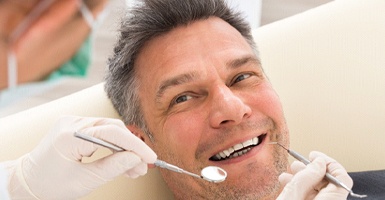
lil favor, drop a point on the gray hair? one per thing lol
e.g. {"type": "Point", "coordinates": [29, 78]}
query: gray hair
{"type": "Point", "coordinates": [144, 21]}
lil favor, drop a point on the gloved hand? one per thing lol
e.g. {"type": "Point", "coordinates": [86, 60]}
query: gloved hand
{"type": "Point", "coordinates": [53, 170]}
{"type": "Point", "coordinates": [308, 182]}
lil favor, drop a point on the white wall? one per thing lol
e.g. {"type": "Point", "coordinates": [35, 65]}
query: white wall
{"type": "Point", "coordinates": [251, 8]}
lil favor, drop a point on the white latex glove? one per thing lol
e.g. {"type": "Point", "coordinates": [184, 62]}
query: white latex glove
{"type": "Point", "coordinates": [308, 182]}
{"type": "Point", "coordinates": [53, 170]}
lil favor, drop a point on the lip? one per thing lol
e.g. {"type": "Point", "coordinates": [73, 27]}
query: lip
{"type": "Point", "coordinates": [246, 156]}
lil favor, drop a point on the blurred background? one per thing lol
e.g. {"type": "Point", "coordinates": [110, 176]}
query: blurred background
{"type": "Point", "coordinates": [24, 96]}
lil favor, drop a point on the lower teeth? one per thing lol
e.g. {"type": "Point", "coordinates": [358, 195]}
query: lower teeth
{"type": "Point", "coordinates": [236, 154]}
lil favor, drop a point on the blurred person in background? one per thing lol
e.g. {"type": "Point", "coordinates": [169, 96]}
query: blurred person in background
{"type": "Point", "coordinates": [45, 39]}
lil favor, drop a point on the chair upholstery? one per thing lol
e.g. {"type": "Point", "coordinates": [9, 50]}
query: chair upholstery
{"type": "Point", "coordinates": [328, 66]}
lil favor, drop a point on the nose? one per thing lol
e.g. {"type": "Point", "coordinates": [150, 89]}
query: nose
{"type": "Point", "coordinates": [227, 108]}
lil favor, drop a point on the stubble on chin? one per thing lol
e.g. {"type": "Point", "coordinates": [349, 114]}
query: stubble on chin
{"type": "Point", "coordinates": [265, 187]}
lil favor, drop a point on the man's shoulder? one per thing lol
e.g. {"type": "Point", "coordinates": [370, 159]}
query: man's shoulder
{"type": "Point", "coordinates": [371, 183]}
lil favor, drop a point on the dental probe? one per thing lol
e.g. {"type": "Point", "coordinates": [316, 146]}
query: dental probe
{"type": "Point", "coordinates": [328, 176]}
{"type": "Point", "coordinates": [211, 173]}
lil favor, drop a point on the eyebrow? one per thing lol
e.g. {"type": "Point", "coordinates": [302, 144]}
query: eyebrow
{"type": "Point", "coordinates": [189, 77]}
{"type": "Point", "coordinates": [174, 81]}
{"type": "Point", "coordinates": [232, 64]}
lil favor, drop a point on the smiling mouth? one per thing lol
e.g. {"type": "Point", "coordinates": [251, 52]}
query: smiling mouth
{"type": "Point", "coordinates": [238, 149]}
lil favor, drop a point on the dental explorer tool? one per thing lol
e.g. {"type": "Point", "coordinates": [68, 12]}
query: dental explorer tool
{"type": "Point", "coordinates": [211, 173]}
{"type": "Point", "coordinates": [328, 176]}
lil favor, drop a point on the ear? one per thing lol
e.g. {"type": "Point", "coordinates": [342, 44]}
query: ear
{"type": "Point", "coordinates": [138, 132]}
{"type": "Point", "coordinates": [143, 136]}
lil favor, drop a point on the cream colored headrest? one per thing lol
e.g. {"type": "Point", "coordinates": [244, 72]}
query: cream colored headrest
{"type": "Point", "coordinates": [328, 66]}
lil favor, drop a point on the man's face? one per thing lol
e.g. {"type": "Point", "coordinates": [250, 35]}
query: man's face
{"type": "Point", "coordinates": [204, 95]}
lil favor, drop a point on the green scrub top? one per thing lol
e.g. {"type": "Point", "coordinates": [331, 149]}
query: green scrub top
{"type": "Point", "coordinates": [78, 65]}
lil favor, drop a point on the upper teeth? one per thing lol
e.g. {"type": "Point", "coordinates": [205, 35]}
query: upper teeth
{"type": "Point", "coordinates": [227, 152]}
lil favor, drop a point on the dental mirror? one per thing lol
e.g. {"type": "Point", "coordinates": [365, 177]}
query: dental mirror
{"type": "Point", "coordinates": [214, 174]}
{"type": "Point", "coordinates": [211, 173]}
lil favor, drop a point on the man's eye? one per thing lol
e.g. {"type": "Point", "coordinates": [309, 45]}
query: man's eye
{"type": "Point", "coordinates": [182, 98]}
{"type": "Point", "coordinates": [241, 77]}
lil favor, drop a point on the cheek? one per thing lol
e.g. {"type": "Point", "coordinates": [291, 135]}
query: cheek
{"type": "Point", "coordinates": [184, 129]}
{"type": "Point", "coordinates": [273, 104]}
{"type": "Point", "coordinates": [269, 103]}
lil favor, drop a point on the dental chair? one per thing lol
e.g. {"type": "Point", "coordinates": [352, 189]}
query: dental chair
{"type": "Point", "coordinates": [326, 64]}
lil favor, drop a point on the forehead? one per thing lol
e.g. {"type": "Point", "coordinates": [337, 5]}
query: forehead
{"type": "Point", "coordinates": [185, 48]}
